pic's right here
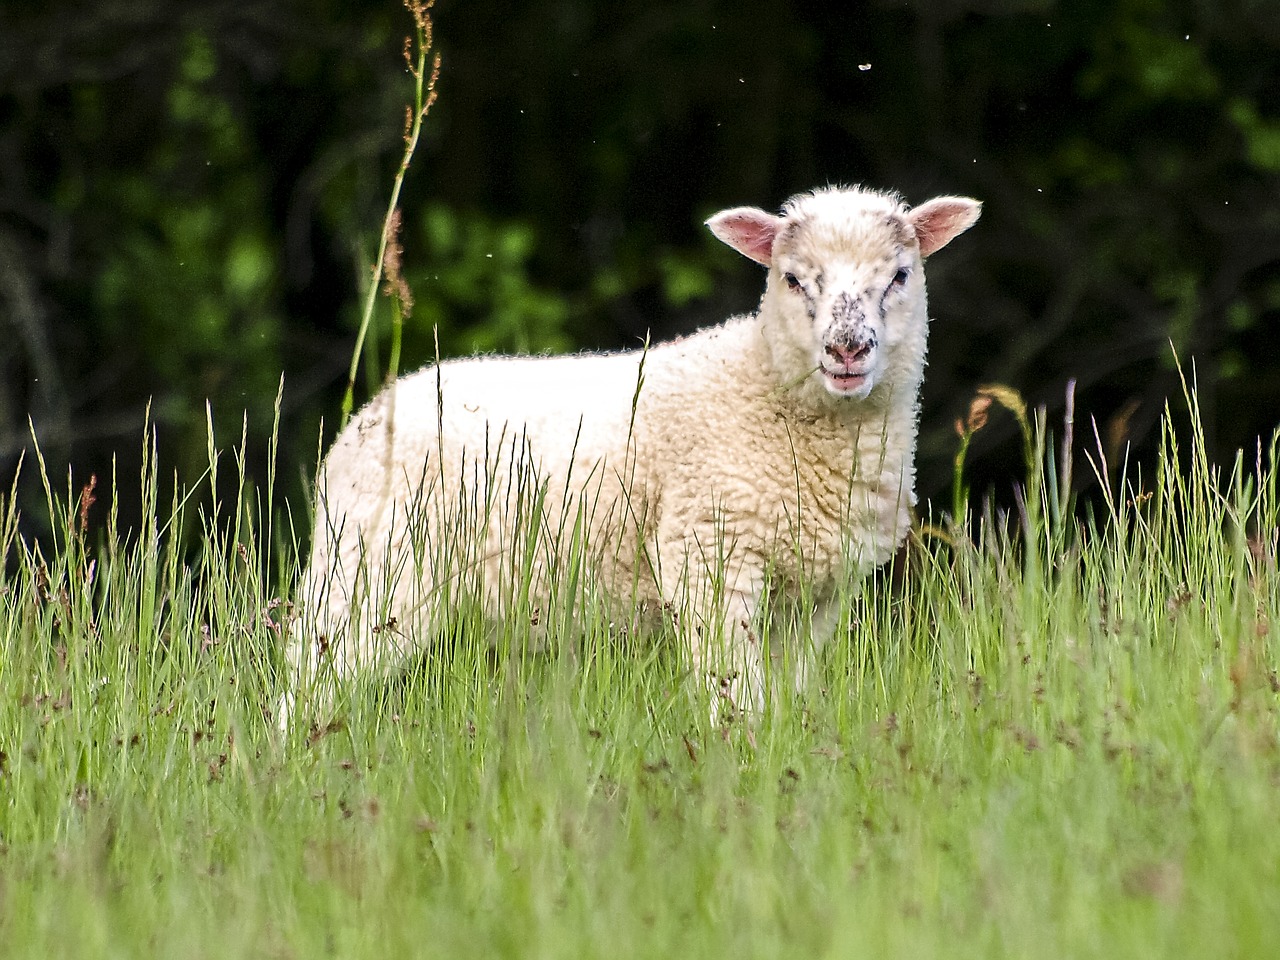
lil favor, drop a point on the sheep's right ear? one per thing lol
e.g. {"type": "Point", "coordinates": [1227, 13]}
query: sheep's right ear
{"type": "Point", "coordinates": [941, 220]}
{"type": "Point", "coordinates": [749, 230]}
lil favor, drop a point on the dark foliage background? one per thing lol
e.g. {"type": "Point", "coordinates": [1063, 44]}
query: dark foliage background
{"type": "Point", "coordinates": [190, 195]}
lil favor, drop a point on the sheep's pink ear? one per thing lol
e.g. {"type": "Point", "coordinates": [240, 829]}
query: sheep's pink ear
{"type": "Point", "coordinates": [748, 230]}
{"type": "Point", "coordinates": [941, 220]}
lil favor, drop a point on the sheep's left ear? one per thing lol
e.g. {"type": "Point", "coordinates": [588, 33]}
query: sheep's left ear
{"type": "Point", "coordinates": [749, 230]}
{"type": "Point", "coordinates": [941, 220]}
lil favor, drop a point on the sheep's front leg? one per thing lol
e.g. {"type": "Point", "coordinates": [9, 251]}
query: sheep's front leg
{"type": "Point", "coordinates": [724, 647]}
{"type": "Point", "coordinates": [714, 596]}
{"type": "Point", "coordinates": [735, 670]}
{"type": "Point", "coordinates": [823, 620]}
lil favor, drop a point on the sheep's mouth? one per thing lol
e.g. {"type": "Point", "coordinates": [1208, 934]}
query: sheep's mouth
{"type": "Point", "coordinates": [845, 382]}
{"type": "Point", "coordinates": [847, 364]}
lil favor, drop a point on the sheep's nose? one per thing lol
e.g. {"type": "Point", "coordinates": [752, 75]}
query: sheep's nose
{"type": "Point", "coordinates": [848, 353]}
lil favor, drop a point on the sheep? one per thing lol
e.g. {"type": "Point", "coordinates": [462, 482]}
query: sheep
{"type": "Point", "coordinates": [773, 450]}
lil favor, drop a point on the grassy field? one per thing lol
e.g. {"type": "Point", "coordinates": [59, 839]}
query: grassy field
{"type": "Point", "coordinates": [1052, 738]}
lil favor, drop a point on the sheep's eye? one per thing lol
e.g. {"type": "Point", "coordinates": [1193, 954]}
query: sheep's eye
{"type": "Point", "coordinates": [900, 277]}
{"type": "Point", "coordinates": [792, 281]}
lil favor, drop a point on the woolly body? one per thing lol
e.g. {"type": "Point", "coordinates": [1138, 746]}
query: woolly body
{"type": "Point", "coordinates": [775, 448]}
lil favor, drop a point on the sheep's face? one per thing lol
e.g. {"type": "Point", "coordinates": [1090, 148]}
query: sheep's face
{"type": "Point", "coordinates": [845, 303]}
{"type": "Point", "coordinates": [848, 313]}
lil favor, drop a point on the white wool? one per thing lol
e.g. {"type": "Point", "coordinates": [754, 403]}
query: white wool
{"type": "Point", "coordinates": [772, 450]}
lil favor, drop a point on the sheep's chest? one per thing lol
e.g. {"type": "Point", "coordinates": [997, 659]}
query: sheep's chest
{"type": "Point", "coordinates": [746, 479]}
{"type": "Point", "coordinates": [819, 501]}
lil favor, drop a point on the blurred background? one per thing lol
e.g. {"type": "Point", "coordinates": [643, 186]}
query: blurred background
{"type": "Point", "coordinates": [191, 194]}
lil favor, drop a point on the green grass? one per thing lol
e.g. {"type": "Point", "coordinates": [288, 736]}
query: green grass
{"type": "Point", "coordinates": [1053, 739]}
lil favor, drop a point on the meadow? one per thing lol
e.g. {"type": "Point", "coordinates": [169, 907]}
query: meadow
{"type": "Point", "coordinates": [1050, 731]}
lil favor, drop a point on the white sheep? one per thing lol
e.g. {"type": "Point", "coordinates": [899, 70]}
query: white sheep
{"type": "Point", "coordinates": [773, 450]}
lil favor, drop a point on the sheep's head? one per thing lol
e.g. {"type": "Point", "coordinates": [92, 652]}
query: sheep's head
{"type": "Point", "coordinates": [845, 303]}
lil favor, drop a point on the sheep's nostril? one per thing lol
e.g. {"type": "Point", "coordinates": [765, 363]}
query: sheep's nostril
{"type": "Point", "coordinates": [849, 354]}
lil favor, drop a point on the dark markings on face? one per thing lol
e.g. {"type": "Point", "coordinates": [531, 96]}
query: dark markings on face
{"type": "Point", "coordinates": [893, 285]}
{"type": "Point", "coordinates": [810, 303]}
{"type": "Point", "coordinates": [847, 310]}
{"type": "Point", "coordinates": [903, 232]}
{"type": "Point", "coordinates": [805, 289]}
{"type": "Point", "coordinates": [789, 232]}
{"type": "Point", "coordinates": [849, 324]}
